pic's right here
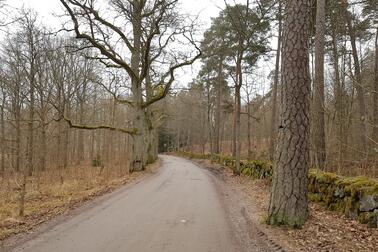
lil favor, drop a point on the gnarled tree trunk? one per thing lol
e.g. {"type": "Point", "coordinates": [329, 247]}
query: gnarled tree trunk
{"type": "Point", "coordinates": [139, 156]}
{"type": "Point", "coordinates": [140, 140]}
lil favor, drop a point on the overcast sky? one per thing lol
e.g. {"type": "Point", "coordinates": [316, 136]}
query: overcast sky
{"type": "Point", "coordinates": [204, 8]}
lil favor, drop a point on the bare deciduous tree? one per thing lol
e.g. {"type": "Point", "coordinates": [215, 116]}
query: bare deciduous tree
{"type": "Point", "coordinates": [152, 25]}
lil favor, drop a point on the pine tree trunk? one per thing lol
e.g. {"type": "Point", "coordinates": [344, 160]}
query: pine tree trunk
{"type": "Point", "coordinates": [288, 201]}
{"type": "Point", "coordinates": [339, 106]}
{"type": "Point", "coordinates": [238, 113]}
{"type": "Point", "coordinates": [219, 109]}
{"type": "Point", "coordinates": [319, 124]}
{"type": "Point", "coordinates": [234, 116]}
{"type": "Point", "coordinates": [209, 117]}
{"type": "Point", "coordinates": [358, 79]}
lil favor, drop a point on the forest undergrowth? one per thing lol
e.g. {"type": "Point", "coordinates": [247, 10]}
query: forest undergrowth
{"type": "Point", "coordinates": [56, 192]}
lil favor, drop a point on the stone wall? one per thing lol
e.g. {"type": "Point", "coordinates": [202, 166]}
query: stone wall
{"type": "Point", "coordinates": [356, 197]}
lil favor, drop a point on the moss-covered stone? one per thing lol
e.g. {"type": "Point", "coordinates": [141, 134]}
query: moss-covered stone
{"type": "Point", "coordinates": [315, 197]}
{"type": "Point", "coordinates": [370, 218]}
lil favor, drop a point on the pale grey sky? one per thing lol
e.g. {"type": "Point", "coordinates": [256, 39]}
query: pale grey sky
{"type": "Point", "coordinates": [46, 8]}
{"type": "Point", "coordinates": [204, 8]}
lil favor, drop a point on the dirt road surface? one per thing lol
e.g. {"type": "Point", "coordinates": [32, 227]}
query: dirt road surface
{"type": "Point", "coordinates": [180, 209]}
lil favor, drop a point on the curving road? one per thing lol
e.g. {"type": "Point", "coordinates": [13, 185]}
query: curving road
{"type": "Point", "coordinates": [177, 210]}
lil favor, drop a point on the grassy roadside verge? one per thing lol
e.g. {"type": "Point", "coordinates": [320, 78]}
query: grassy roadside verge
{"type": "Point", "coordinates": [51, 196]}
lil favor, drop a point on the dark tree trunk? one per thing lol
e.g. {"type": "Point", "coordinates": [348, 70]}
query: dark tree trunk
{"type": "Point", "coordinates": [233, 142]}
{"type": "Point", "coordinates": [288, 201]}
{"type": "Point", "coordinates": [357, 81]}
{"type": "Point", "coordinates": [238, 86]}
{"type": "Point", "coordinates": [219, 109]}
{"type": "Point", "coordinates": [319, 124]}
{"type": "Point", "coordinates": [339, 103]}
{"type": "Point", "coordinates": [139, 157]}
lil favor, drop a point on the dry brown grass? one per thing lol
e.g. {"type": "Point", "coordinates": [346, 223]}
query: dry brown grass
{"type": "Point", "coordinates": [55, 192]}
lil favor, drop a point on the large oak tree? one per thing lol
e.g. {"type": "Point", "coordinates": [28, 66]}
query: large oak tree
{"type": "Point", "coordinates": [138, 37]}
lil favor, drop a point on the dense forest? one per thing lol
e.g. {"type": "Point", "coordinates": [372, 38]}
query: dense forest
{"type": "Point", "coordinates": [294, 83]}
{"type": "Point", "coordinates": [343, 95]}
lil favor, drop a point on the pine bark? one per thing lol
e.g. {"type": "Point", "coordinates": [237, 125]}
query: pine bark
{"type": "Point", "coordinates": [288, 201]}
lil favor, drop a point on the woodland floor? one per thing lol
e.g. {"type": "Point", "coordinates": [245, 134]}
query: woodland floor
{"type": "Point", "coordinates": [324, 231]}
{"type": "Point", "coordinates": [51, 198]}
